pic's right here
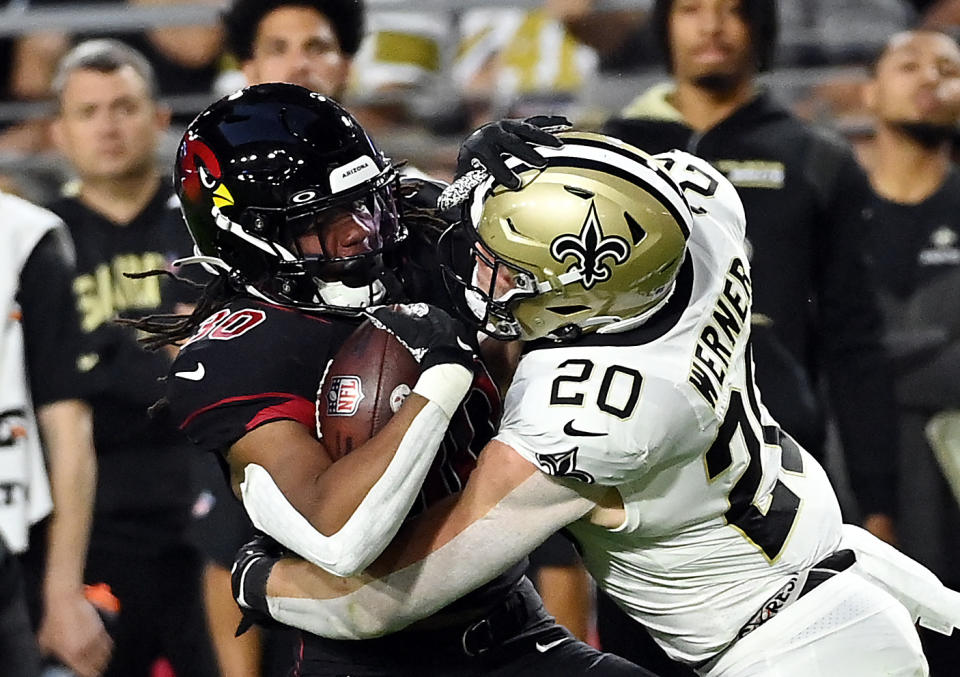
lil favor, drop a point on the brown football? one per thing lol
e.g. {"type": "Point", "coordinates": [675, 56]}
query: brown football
{"type": "Point", "coordinates": [364, 386]}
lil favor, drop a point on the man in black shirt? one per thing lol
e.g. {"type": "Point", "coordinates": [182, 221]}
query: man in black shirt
{"type": "Point", "coordinates": [124, 219]}
{"type": "Point", "coordinates": [802, 190]}
{"type": "Point", "coordinates": [815, 317]}
{"type": "Point", "coordinates": [913, 228]}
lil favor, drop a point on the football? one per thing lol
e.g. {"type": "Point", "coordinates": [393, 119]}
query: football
{"type": "Point", "coordinates": [365, 384]}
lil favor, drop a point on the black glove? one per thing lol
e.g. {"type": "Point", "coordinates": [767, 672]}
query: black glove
{"type": "Point", "coordinates": [489, 143]}
{"type": "Point", "coordinates": [428, 332]}
{"type": "Point", "coordinates": [248, 580]}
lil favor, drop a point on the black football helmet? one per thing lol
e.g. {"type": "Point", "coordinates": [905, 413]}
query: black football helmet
{"type": "Point", "coordinates": [265, 167]}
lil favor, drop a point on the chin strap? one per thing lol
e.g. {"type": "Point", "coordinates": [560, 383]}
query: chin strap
{"type": "Point", "coordinates": [211, 264]}
{"type": "Point", "coordinates": [340, 295]}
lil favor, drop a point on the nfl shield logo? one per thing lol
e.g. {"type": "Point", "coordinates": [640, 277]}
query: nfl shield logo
{"type": "Point", "coordinates": [343, 398]}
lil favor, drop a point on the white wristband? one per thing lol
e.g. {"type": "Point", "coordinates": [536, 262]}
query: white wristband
{"type": "Point", "coordinates": [445, 385]}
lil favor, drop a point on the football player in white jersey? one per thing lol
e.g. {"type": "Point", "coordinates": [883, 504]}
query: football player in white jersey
{"type": "Point", "coordinates": [633, 420]}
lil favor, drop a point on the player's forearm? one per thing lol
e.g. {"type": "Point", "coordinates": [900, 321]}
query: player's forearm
{"type": "Point", "coordinates": [371, 524]}
{"type": "Point", "coordinates": [336, 494]}
{"type": "Point", "coordinates": [389, 488]}
{"type": "Point", "coordinates": [67, 430]}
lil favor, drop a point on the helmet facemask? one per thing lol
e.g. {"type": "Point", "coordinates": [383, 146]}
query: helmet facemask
{"type": "Point", "coordinates": [261, 172]}
{"type": "Point", "coordinates": [318, 274]}
{"type": "Point", "coordinates": [494, 288]}
{"type": "Point", "coordinates": [298, 267]}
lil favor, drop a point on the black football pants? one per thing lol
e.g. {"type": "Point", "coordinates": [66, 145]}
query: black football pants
{"type": "Point", "coordinates": [535, 645]}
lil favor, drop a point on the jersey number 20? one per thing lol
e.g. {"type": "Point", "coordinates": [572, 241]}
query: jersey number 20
{"type": "Point", "coordinates": [768, 529]}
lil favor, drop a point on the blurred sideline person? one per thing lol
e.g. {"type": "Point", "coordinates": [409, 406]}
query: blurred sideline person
{"type": "Point", "coordinates": [309, 43]}
{"type": "Point", "coordinates": [817, 334]}
{"type": "Point", "coordinates": [311, 230]}
{"type": "Point", "coordinates": [40, 401]}
{"type": "Point", "coordinates": [185, 59]}
{"type": "Point", "coordinates": [911, 242]}
{"type": "Point", "coordinates": [124, 220]}
{"type": "Point", "coordinates": [627, 277]}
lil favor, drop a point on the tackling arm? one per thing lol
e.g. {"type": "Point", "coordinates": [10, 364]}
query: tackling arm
{"type": "Point", "coordinates": [507, 509]}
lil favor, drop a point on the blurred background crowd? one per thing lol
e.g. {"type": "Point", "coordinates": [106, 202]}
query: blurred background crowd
{"type": "Point", "coordinates": [89, 127]}
{"type": "Point", "coordinates": [427, 72]}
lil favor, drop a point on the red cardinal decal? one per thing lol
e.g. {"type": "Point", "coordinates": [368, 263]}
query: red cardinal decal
{"type": "Point", "coordinates": [201, 169]}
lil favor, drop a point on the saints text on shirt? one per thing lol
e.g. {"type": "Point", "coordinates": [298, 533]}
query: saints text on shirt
{"type": "Point", "coordinates": [715, 346]}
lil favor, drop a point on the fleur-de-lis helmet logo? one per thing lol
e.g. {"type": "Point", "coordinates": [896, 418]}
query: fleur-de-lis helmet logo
{"type": "Point", "coordinates": [590, 247]}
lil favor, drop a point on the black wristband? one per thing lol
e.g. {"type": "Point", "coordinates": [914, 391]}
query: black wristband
{"type": "Point", "coordinates": [252, 583]}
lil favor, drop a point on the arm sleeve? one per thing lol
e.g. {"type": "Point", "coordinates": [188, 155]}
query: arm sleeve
{"type": "Point", "coordinates": [850, 345]}
{"type": "Point", "coordinates": [486, 548]}
{"type": "Point", "coordinates": [377, 519]}
{"type": "Point", "coordinates": [50, 324]}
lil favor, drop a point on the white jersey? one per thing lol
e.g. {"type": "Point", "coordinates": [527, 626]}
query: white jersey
{"type": "Point", "coordinates": [721, 507]}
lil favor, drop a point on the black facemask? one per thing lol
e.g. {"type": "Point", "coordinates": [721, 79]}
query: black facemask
{"type": "Point", "coordinates": [927, 134]}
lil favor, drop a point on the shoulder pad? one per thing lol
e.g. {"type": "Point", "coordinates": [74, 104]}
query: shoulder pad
{"type": "Point", "coordinates": [706, 189]}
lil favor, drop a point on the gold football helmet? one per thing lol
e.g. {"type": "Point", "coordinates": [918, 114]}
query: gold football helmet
{"type": "Point", "coordinates": [593, 241]}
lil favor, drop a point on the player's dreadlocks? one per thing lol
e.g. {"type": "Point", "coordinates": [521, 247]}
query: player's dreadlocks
{"type": "Point", "coordinates": [171, 328]}
{"type": "Point", "coordinates": [424, 223]}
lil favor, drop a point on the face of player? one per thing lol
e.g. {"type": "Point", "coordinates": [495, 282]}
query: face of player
{"type": "Point", "coordinates": [343, 231]}
{"type": "Point", "coordinates": [483, 274]}
{"type": "Point", "coordinates": [108, 126]}
{"type": "Point", "coordinates": [710, 43]}
{"type": "Point", "coordinates": [917, 80]}
{"type": "Point", "coordinates": [298, 45]}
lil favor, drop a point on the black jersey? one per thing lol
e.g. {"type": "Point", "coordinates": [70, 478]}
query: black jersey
{"type": "Point", "coordinates": [50, 328]}
{"type": "Point", "coordinates": [913, 253]}
{"type": "Point", "coordinates": [123, 376]}
{"type": "Point", "coordinates": [252, 362]}
{"type": "Point", "coordinates": [143, 465]}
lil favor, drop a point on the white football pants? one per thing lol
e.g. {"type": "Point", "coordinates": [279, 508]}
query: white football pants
{"type": "Point", "coordinates": [845, 627]}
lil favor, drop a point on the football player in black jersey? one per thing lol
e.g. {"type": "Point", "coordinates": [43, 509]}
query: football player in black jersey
{"type": "Point", "coordinates": [309, 228]}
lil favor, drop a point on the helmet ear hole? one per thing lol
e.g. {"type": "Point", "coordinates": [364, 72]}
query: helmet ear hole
{"type": "Point", "coordinates": [637, 233]}
{"type": "Point", "coordinates": [567, 310]}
